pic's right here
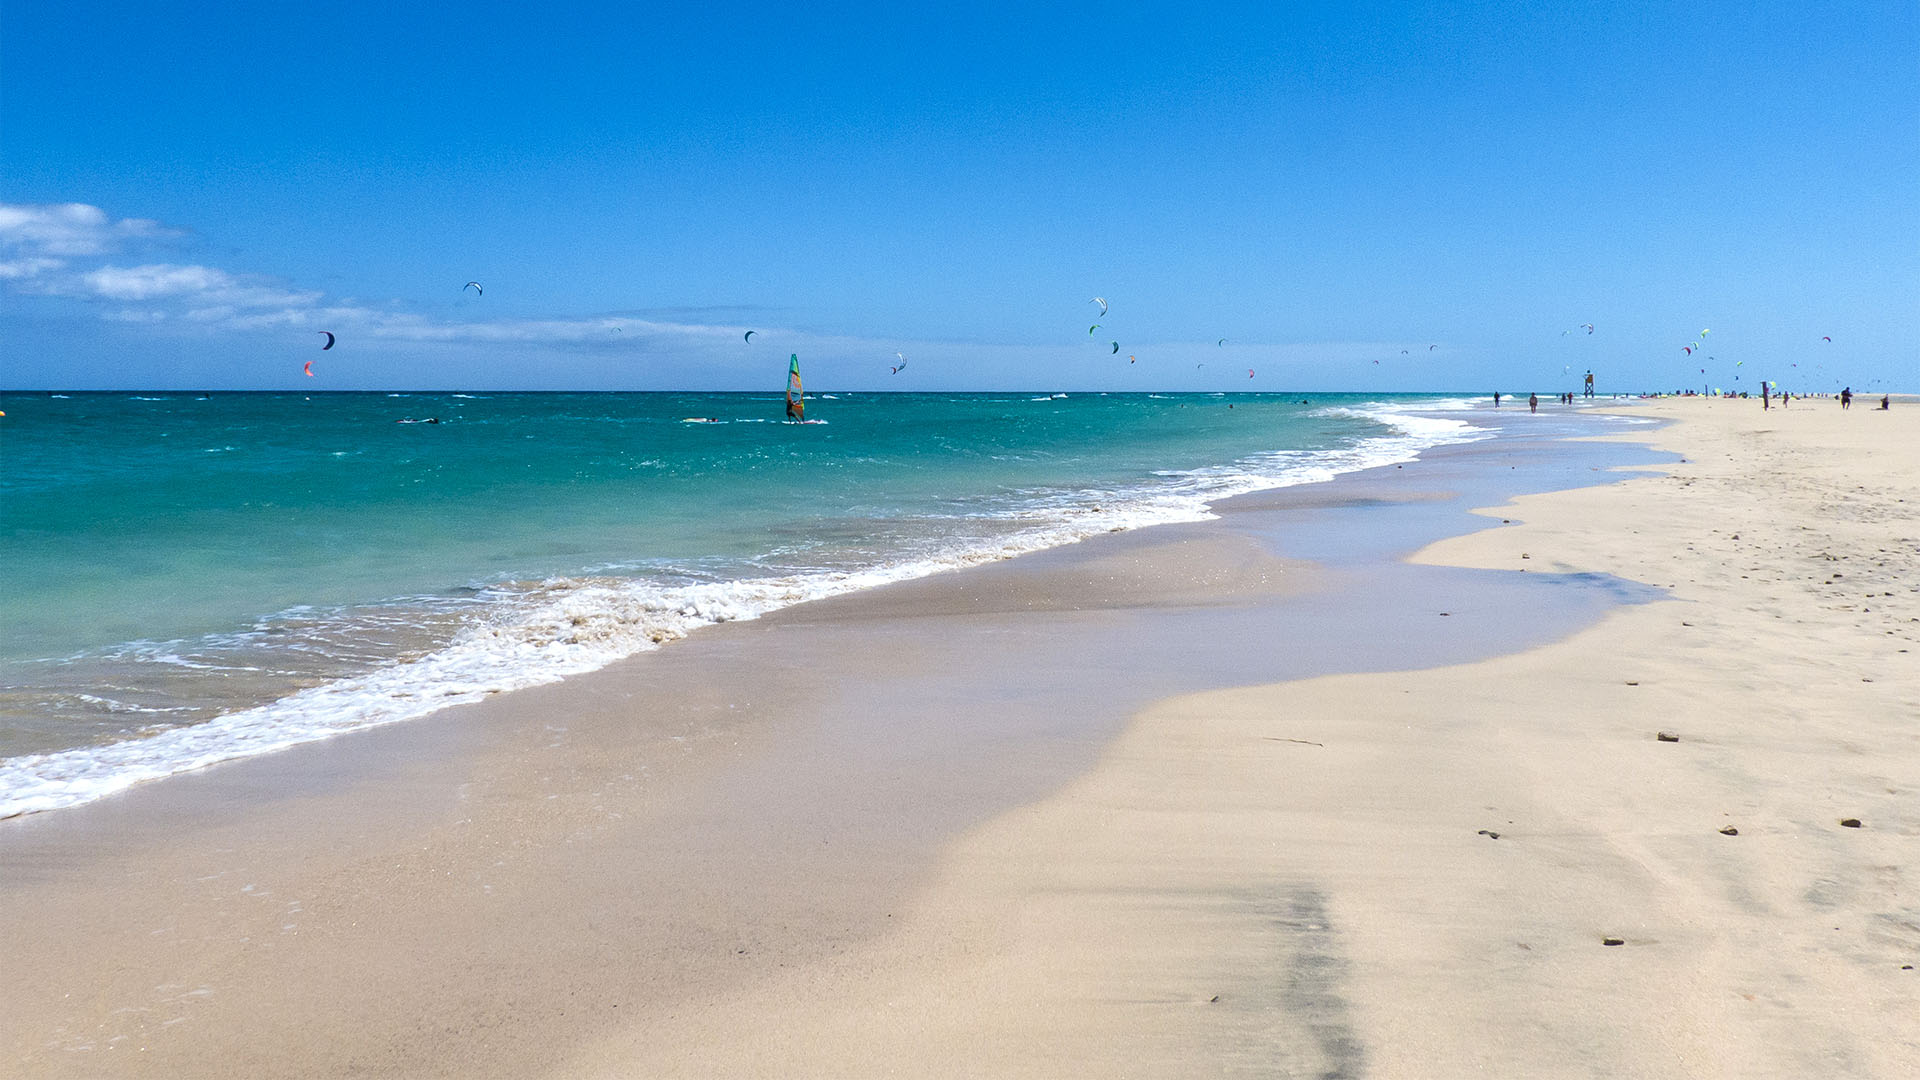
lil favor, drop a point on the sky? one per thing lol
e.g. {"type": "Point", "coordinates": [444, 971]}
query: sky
{"type": "Point", "coordinates": [1355, 197]}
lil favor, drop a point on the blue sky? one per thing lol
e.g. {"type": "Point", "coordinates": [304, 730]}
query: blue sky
{"type": "Point", "coordinates": [1393, 196]}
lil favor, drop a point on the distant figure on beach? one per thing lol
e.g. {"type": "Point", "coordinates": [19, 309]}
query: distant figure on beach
{"type": "Point", "coordinates": [1783, 398]}
{"type": "Point", "coordinates": [1496, 399]}
{"type": "Point", "coordinates": [1883, 402]}
{"type": "Point", "coordinates": [1589, 392]}
{"type": "Point", "coordinates": [1846, 397]}
{"type": "Point", "coordinates": [1766, 397]}
{"type": "Point", "coordinates": [1533, 402]}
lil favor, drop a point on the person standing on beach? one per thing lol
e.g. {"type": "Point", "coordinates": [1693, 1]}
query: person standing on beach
{"type": "Point", "coordinates": [1589, 392]}
{"type": "Point", "coordinates": [1496, 399]}
{"type": "Point", "coordinates": [1766, 396]}
{"type": "Point", "coordinates": [1533, 402]}
{"type": "Point", "coordinates": [1846, 397]}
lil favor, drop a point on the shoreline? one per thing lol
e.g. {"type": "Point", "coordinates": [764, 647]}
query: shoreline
{"type": "Point", "coordinates": [375, 882]}
{"type": "Point", "coordinates": [1491, 868]}
{"type": "Point", "coordinates": [530, 630]}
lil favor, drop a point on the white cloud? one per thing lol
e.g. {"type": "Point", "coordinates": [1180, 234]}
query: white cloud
{"type": "Point", "coordinates": [148, 282]}
{"type": "Point", "coordinates": [65, 249]}
{"type": "Point", "coordinates": [70, 229]}
{"type": "Point", "coordinates": [202, 284]}
{"type": "Point", "coordinates": [553, 331]}
{"type": "Point", "coordinates": [18, 269]}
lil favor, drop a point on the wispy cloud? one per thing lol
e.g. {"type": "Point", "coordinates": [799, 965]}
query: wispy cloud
{"type": "Point", "coordinates": [193, 284]}
{"type": "Point", "coordinates": [70, 229]}
{"type": "Point", "coordinates": [20, 269]}
{"type": "Point", "coordinates": [67, 249]}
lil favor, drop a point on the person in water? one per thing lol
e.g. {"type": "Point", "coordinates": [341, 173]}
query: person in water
{"type": "Point", "coordinates": [1533, 403]}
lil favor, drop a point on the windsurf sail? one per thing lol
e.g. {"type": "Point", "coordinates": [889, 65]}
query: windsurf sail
{"type": "Point", "coordinates": [796, 404]}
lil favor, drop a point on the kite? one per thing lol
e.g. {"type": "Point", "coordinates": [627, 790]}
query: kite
{"type": "Point", "coordinates": [1589, 327]}
{"type": "Point", "coordinates": [1102, 301]}
{"type": "Point", "coordinates": [1826, 339]}
{"type": "Point", "coordinates": [309, 369]}
{"type": "Point", "coordinates": [749, 336]}
{"type": "Point", "coordinates": [1430, 348]}
{"type": "Point", "coordinates": [329, 343]}
{"type": "Point", "coordinates": [1249, 373]}
{"type": "Point", "coordinates": [1688, 348]}
{"type": "Point", "coordinates": [1092, 328]}
{"type": "Point", "coordinates": [902, 367]}
{"type": "Point", "coordinates": [1131, 359]}
{"type": "Point", "coordinates": [1116, 349]}
{"type": "Point", "coordinates": [1223, 341]}
{"type": "Point", "coordinates": [475, 286]}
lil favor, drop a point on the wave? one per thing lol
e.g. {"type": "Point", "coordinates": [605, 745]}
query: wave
{"type": "Point", "coordinates": [524, 634]}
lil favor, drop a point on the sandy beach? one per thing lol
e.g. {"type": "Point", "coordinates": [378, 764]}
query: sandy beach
{"type": "Point", "coordinates": [1612, 776]}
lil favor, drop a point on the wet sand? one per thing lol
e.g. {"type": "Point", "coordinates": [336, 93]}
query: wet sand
{"type": "Point", "coordinates": [1108, 810]}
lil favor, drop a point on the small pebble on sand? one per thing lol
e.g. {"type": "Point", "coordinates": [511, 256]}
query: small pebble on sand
{"type": "Point", "coordinates": [1850, 822]}
{"type": "Point", "coordinates": [1666, 736]}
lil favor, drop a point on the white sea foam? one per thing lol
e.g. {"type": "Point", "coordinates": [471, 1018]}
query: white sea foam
{"type": "Point", "coordinates": [540, 632]}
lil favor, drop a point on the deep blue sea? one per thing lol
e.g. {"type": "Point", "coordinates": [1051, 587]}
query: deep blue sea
{"type": "Point", "coordinates": [187, 578]}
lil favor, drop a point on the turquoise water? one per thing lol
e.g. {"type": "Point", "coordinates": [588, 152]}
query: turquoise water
{"type": "Point", "coordinates": [185, 578]}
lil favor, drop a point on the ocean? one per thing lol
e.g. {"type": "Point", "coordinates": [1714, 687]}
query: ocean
{"type": "Point", "coordinates": [189, 578]}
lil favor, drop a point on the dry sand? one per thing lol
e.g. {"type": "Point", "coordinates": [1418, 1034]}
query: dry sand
{"type": "Point", "coordinates": [780, 875]}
